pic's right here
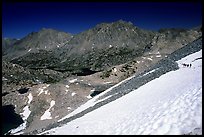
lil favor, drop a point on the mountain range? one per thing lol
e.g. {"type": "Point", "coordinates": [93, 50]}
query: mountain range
{"type": "Point", "coordinates": [71, 69]}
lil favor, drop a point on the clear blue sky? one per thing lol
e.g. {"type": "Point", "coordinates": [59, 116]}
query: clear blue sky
{"type": "Point", "coordinates": [21, 18]}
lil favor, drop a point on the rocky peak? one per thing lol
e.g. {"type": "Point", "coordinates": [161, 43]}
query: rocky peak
{"type": "Point", "coordinates": [7, 43]}
{"type": "Point", "coordinates": [117, 34]}
{"type": "Point", "coordinates": [45, 39]}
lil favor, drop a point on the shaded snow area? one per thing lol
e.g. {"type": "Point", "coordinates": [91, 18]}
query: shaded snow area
{"type": "Point", "coordinates": [47, 114]}
{"type": "Point", "coordinates": [170, 104]}
{"type": "Point", "coordinates": [26, 113]}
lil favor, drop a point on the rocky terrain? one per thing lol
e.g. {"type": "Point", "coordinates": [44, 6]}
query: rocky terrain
{"type": "Point", "coordinates": [45, 39]}
{"type": "Point", "coordinates": [7, 43]}
{"type": "Point", "coordinates": [70, 69]}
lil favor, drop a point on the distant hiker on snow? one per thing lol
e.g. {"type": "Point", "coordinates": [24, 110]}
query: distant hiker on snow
{"type": "Point", "coordinates": [187, 65]}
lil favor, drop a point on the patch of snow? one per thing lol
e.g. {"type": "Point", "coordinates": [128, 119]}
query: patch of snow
{"type": "Point", "coordinates": [158, 56]}
{"type": "Point", "coordinates": [149, 58]}
{"type": "Point", "coordinates": [29, 50]}
{"type": "Point", "coordinates": [73, 93]}
{"type": "Point", "coordinates": [13, 65]}
{"type": "Point", "coordinates": [30, 98]}
{"type": "Point", "coordinates": [114, 70]}
{"type": "Point", "coordinates": [67, 86]}
{"type": "Point", "coordinates": [3, 78]}
{"type": "Point", "coordinates": [57, 116]}
{"type": "Point", "coordinates": [41, 90]}
{"type": "Point", "coordinates": [170, 104]}
{"type": "Point", "coordinates": [11, 75]}
{"type": "Point", "coordinates": [150, 72]}
{"type": "Point", "coordinates": [69, 108]}
{"type": "Point", "coordinates": [138, 61]}
{"type": "Point", "coordinates": [18, 130]}
{"type": "Point", "coordinates": [19, 133]}
{"type": "Point", "coordinates": [63, 60]}
{"type": "Point", "coordinates": [93, 90]}
{"type": "Point", "coordinates": [110, 46]}
{"type": "Point", "coordinates": [107, 82]}
{"type": "Point", "coordinates": [26, 113]}
{"type": "Point", "coordinates": [47, 114]}
{"type": "Point", "coordinates": [72, 81]}
{"type": "Point", "coordinates": [89, 97]}
{"type": "Point", "coordinates": [46, 91]}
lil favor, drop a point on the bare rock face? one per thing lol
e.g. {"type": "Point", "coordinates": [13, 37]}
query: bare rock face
{"type": "Point", "coordinates": [7, 43]}
{"type": "Point", "coordinates": [45, 39]}
{"type": "Point", "coordinates": [169, 40]}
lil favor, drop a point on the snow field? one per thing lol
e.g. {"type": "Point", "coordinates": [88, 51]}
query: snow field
{"type": "Point", "coordinates": [170, 104]}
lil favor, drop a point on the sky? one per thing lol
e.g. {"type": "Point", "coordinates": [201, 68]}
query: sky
{"type": "Point", "coordinates": [22, 18]}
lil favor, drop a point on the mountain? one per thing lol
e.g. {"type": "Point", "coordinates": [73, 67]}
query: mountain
{"type": "Point", "coordinates": [44, 85]}
{"type": "Point", "coordinates": [45, 39]}
{"type": "Point", "coordinates": [106, 45]}
{"type": "Point", "coordinates": [7, 43]}
{"type": "Point", "coordinates": [172, 39]}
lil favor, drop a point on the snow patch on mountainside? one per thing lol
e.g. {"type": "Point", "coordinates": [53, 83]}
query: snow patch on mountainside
{"type": "Point", "coordinates": [47, 114]}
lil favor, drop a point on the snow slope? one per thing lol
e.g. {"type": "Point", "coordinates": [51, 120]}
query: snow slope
{"type": "Point", "coordinates": [170, 104]}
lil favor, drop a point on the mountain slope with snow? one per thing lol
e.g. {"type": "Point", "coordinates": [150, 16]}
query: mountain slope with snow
{"type": "Point", "coordinates": [170, 104]}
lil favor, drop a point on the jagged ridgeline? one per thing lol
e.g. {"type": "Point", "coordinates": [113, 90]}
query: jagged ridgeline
{"type": "Point", "coordinates": [105, 45]}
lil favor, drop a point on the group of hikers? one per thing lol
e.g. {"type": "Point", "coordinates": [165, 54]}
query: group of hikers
{"type": "Point", "coordinates": [186, 65]}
